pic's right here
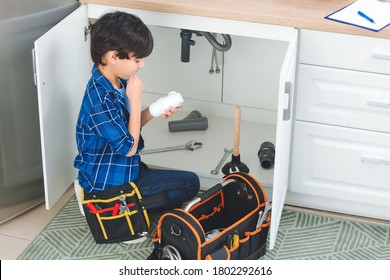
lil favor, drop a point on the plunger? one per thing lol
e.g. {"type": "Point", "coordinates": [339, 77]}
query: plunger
{"type": "Point", "coordinates": [235, 165]}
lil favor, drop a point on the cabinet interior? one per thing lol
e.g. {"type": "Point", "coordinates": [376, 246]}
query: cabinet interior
{"type": "Point", "coordinates": [248, 77]}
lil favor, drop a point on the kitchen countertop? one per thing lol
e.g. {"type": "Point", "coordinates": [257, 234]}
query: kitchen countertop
{"type": "Point", "coordinates": [305, 14]}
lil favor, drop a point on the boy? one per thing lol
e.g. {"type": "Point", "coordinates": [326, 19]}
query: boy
{"type": "Point", "coordinates": [108, 131]}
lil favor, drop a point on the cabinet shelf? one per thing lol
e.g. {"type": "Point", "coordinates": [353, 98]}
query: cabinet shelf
{"type": "Point", "coordinates": [218, 136]}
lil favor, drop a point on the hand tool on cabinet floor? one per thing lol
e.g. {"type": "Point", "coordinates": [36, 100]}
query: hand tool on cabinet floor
{"type": "Point", "coordinates": [189, 146]}
{"type": "Point", "coordinates": [227, 151]}
{"type": "Point", "coordinates": [235, 165]}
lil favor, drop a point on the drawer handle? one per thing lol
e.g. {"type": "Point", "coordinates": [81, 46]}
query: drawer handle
{"type": "Point", "coordinates": [287, 101]}
{"type": "Point", "coordinates": [373, 160]}
{"type": "Point", "coordinates": [380, 56]}
{"type": "Point", "coordinates": [378, 104]}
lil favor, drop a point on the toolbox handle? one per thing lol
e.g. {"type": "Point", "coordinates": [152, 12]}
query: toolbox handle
{"type": "Point", "coordinates": [216, 189]}
{"type": "Point", "coordinates": [209, 193]}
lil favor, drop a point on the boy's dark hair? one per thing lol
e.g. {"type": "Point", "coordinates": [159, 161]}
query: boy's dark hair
{"type": "Point", "coordinates": [121, 32]}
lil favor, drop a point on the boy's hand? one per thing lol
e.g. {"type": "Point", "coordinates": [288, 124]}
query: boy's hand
{"type": "Point", "coordinates": [135, 87]}
{"type": "Point", "coordinates": [168, 113]}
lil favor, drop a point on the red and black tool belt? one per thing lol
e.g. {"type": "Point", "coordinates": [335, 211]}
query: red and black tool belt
{"type": "Point", "coordinates": [117, 214]}
{"type": "Point", "coordinates": [229, 221]}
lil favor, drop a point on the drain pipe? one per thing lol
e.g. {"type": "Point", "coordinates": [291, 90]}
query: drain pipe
{"type": "Point", "coordinates": [187, 42]}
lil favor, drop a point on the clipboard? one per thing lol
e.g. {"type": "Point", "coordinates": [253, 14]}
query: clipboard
{"type": "Point", "coordinates": [377, 10]}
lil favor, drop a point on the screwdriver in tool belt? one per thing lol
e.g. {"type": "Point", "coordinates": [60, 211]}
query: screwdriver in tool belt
{"type": "Point", "coordinates": [230, 241]}
{"type": "Point", "coordinates": [236, 238]}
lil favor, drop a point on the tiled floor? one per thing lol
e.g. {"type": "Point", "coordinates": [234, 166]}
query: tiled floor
{"type": "Point", "coordinates": [18, 233]}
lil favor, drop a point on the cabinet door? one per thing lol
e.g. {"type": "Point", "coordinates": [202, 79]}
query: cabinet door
{"type": "Point", "coordinates": [283, 136]}
{"type": "Point", "coordinates": [62, 70]}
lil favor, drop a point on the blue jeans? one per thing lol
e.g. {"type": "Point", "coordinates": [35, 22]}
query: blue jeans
{"type": "Point", "coordinates": [180, 186]}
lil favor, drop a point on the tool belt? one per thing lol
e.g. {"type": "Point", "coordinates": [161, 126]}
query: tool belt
{"type": "Point", "coordinates": [229, 221]}
{"type": "Point", "coordinates": [119, 214]}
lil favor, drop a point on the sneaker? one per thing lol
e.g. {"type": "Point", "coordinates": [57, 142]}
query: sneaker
{"type": "Point", "coordinates": [77, 191]}
{"type": "Point", "coordinates": [135, 241]}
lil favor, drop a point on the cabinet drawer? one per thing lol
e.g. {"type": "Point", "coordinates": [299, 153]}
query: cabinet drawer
{"type": "Point", "coordinates": [345, 51]}
{"type": "Point", "coordinates": [343, 97]}
{"type": "Point", "coordinates": [341, 163]}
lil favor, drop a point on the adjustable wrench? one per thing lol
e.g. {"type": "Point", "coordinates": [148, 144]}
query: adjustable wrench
{"type": "Point", "coordinates": [224, 157]}
{"type": "Point", "coordinates": [190, 146]}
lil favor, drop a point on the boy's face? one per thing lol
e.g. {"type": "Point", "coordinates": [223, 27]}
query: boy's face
{"type": "Point", "coordinates": [126, 68]}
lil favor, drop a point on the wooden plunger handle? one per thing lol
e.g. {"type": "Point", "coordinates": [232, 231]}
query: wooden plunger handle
{"type": "Point", "coordinates": [237, 120]}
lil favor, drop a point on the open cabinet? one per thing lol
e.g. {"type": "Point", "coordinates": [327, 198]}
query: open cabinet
{"type": "Point", "coordinates": [63, 67]}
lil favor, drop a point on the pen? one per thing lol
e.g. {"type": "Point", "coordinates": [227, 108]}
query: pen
{"type": "Point", "coordinates": [363, 15]}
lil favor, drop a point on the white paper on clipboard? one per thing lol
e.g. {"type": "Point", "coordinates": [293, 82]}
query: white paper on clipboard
{"type": "Point", "coordinates": [377, 10]}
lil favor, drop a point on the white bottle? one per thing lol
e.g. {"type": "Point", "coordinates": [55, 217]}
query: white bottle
{"type": "Point", "coordinates": [159, 107]}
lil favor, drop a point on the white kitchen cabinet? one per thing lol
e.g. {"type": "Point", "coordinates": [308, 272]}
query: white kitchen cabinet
{"type": "Point", "coordinates": [345, 51]}
{"type": "Point", "coordinates": [342, 164]}
{"type": "Point", "coordinates": [344, 97]}
{"type": "Point", "coordinates": [65, 52]}
{"type": "Point", "coordinates": [341, 151]}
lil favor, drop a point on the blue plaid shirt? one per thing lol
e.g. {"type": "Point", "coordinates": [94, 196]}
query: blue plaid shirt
{"type": "Point", "coordinates": [102, 137]}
